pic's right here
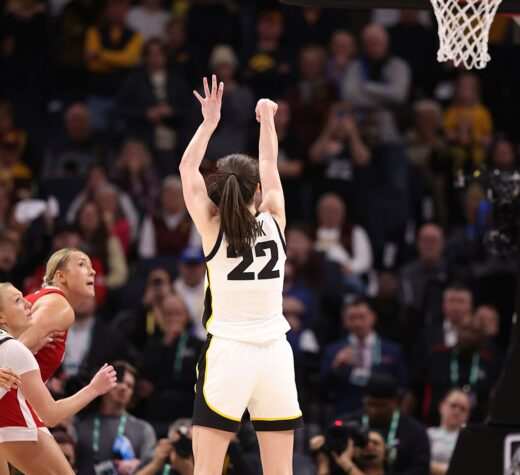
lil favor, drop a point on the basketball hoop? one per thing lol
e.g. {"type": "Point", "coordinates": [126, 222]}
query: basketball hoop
{"type": "Point", "coordinates": [464, 30]}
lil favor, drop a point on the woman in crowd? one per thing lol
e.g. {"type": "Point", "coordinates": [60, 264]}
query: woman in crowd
{"type": "Point", "coordinates": [454, 410]}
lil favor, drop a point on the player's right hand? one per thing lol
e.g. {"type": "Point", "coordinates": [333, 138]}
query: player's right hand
{"type": "Point", "coordinates": [104, 380]}
{"type": "Point", "coordinates": [265, 108]}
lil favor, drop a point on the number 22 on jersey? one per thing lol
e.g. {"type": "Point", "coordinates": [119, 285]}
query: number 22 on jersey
{"type": "Point", "coordinates": [240, 271]}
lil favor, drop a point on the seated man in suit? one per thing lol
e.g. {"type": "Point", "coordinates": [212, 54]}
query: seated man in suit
{"type": "Point", "coordinates": [349, 362]}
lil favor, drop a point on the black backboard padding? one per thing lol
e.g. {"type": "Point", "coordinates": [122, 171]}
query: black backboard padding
{"type": "Point", "coordinates": [507, 6]}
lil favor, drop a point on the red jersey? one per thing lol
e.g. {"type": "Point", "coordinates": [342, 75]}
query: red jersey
{"type": "Point", "coordinates": [48, 359]}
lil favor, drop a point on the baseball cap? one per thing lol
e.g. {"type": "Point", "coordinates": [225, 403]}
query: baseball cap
{"type": "Point", "coordinates": [192, 255]}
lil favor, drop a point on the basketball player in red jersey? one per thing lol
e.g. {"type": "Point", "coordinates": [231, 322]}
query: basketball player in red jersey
{"type": "Point", "coordinates": [24, 439]}
{"type": "Point", "coordinates": [68, 282]}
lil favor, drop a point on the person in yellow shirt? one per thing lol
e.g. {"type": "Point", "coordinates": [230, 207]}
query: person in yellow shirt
{"type": "Point", "coordinates": [111, 51]}
{"type": "Point", "coordinates": [468, 125]}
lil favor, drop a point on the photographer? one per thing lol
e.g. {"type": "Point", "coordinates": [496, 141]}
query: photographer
{"type": "Point", "coordinates": [354, 460]}
{"type": "Point", "coordinates": [407, 445]}
{"type": "Point", "coordinates": [172, 455]}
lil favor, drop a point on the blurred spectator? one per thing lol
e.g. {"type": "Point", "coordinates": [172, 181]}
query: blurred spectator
{"type": "Point", "coordinates": [378, 81]}
{"type": "Point", "coordinates": [14, 171]}
{"type": "Point", "coordinates": [457, 305]}
{"type": "Point", "coordinates": [169, 228]}
{"type": "Point", "coordinates": [465, 246]}
{"type": "Point", "coordinates": [111, 50]}
{"type": "Point", "coordinates": [303, 294]}
{"type": "Point", "coordinates": [426, 152]}
{"type": "Point", "coordinates": [454, 412]}
{"type": "Point", "coordinates": [168, 366]}
{"type": "Point", "coordinates": [165, 458]}
{"type": "Point", "coordinates": [65, 235]}
{"type": "Point", "coordinates": [349, 362]}
{"type": "Point", "coordinates": [468, 365]}
{"type": "Point", "coordinates": [385, 303]}
{"type": "Point", "coordinates": [23, 55]}
{"type": "Point", "coordinates": [190, 285]}
{"type": "Point", "coordinates": [67, 445]}
{"type": "Point", "coordinates": [146, 322]}
{"type": "Point", "coordinates": [338, 152]}
{"type": "Point", "coordinates": [152, 101]}
{"type": "Point", "coordinates": [308, 263]}
{"type": "Point", "coordinates": [134, 172]}
{"type": "Point", "coordinates": [416, 43]}
{"type": "Point", "coordinates": [423, 280]}
{"type": "Point", "coordinates": [268, 68]}
{"type": "Point", "coordinates": [71, 28]}
{"type": "Point", "coordinates": [148, 18]}
{"type": "Point", "coordinates": [490, 319]}
{"type": "Point", "coordinates": [408, 450]}
{"type": "Point", "coordinates": [5, 207]}
{"type": "Point", "coordinates": [98, 242]}
{"type": "Point", "coordinates": [111, 436]}
{"type": "Point", "coordinates": [301, 338]}
{"type": "Point", "coordinates": [312, 95]}
{"type": "Point", "coordinates": [342, 50]}
{"type": "Point", "coordinates": [315, 24]}
{"type": "Point", "coordinates": [211, 23]}
{"type": "Point", "coordinates": [180, 52]}
{"type": "Point", "coordinates": [503, 156]}
{"type": "Point", "coordinates": [468, 125]}
{"type": "Point", "coordinates": [97, 177]}
{"type": "Point", "coordinates": [79, 150]}
{"type": "Point", "coordinates": [235, 128]}
{"type": "Point", "coordinates": [91, 343]}
{"type": "Point", "coordinates": [354, 460]}
{"type": "Point", "coordinates": [8, 253]}
{"type": "Point", "coordinates": [343, 242]}
{"type": "Point", "coordinates": [116, 223]}
{"type": "Point", "coordinates": [291, 160]}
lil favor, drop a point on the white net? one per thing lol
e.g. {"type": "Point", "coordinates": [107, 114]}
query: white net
{"type": "Point", "coordinates": [464, 30]}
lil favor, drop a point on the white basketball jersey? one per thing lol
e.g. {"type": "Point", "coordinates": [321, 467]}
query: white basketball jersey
{"type": "Point", "coordinates": [243, 298]}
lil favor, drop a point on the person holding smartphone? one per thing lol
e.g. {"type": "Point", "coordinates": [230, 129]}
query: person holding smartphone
{"type": "Point", "coordinates": [110, 440]}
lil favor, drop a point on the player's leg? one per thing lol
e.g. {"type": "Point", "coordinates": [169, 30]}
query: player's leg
{"type": "Point", "coordinates": [276, 451]}
{"type": "Point", "coordinates": [41, 457]}
{"type": "Point", "coordinates": [209, 449]}
{"type": "Point", "coordinates": [224, 386]}
{"type": "Point", "coordinates": [274, 408]}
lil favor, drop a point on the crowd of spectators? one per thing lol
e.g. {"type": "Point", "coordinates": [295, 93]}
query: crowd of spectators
{"type": "Point", "coordinates": [386, 273]}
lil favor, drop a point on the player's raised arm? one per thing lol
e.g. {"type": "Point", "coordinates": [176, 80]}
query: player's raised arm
{"type": "Point", "coordinates": [200, 207]}
{"type": "Point", "coordinates": [272, 192]}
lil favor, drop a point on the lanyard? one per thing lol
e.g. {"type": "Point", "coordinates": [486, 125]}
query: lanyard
{"type": "Point", "coordinates": [376, 350]}
{"type": "Point", "coordinates": [473, 374]}
{"type": "Point", "coordinates": [392, 432]}
{"type": "Point", "coordinates": [179, 354]}
{"type": "Point", "coordinates": [97, 429]}
{"type": "Point", "coordinates": [447, 440]}
{"type": "Point", "coordinates": [390, 438]}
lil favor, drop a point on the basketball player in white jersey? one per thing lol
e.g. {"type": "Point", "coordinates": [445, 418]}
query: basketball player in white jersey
{"type": "Point", "coordinates": [246, 362]}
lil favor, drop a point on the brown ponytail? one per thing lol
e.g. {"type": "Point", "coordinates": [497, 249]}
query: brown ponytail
{"type": "Point", "coordinates": [232, 188]}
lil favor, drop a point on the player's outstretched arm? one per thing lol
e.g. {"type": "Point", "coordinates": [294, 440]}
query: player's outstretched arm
{"type": "Point", "coordinates": [272, 192]}
{"type": "Point", "coordinates": [200, 207]}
